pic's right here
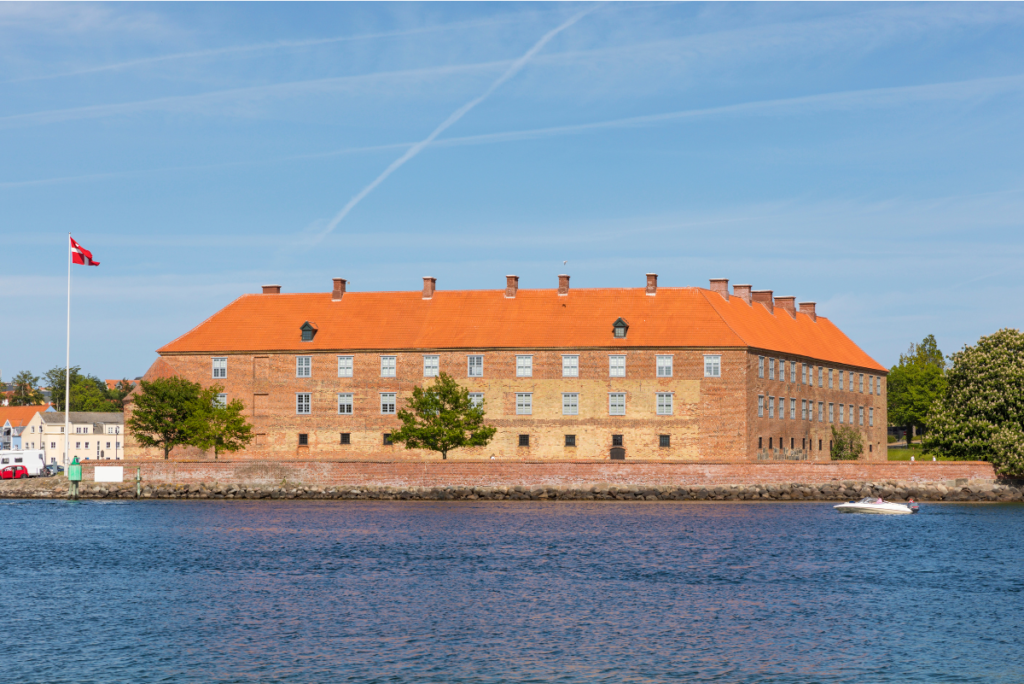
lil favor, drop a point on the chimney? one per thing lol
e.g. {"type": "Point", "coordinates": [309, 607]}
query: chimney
{"type": "Point", "coordinates": [765, 297]}
{"type": "Point", "coordinates": [271, 289]}
{"type": "Point", "coordinates": [339, 289]}
{"type": "Point", "coordinates": [808, 308]}
{"type": "Point", "coordinates": [721, 286]}
{"type": "Point", "coordinates": [743, 292]}
{"type": "Point", "coordinates": [652, 284]}
{"type": "Point", "coordinates": [787, 304]}
{"type": "Point", "coordinates": [563, 285]}
{"type": "Point", "coordinates": [511, 286]}
{"type": "Point", "coordinates": [429, 285]}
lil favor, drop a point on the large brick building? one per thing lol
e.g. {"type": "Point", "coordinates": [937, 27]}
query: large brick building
{"type": "Point", "coordinates": [677, 374]}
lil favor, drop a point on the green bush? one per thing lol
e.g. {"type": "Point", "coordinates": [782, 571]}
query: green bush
{"type": "Point", "coordinates": [847, 444]}
{"type": "Point", "coordinates": [892, 438]}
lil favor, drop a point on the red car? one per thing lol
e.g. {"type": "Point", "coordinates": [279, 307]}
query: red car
{"type": "Point", "coordinates": [13, 473]}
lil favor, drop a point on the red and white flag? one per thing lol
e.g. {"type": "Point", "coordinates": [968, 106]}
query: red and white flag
{"type": "Point", "coordinates": [80, 255]}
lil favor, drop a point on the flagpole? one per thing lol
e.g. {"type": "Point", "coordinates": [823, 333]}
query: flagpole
{"type": "Point", "coordinates": [67, 370]}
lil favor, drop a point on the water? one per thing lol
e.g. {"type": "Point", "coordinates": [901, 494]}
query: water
{"type": "Point", "coordinates": [169, 591]}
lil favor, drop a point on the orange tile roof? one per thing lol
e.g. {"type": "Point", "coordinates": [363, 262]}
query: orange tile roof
{"type": "Point", "coordinates": [534, 319]}
{"type": "Point", "coordinates": [20, 415]}
{"type": "Point", "coordinates": [112, 384]}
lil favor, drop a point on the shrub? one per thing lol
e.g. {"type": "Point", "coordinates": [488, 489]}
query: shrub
{"type": "Point", "coordinates": [847, 444]}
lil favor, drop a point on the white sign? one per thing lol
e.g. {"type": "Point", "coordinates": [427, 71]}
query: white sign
{"type": "Point", "coordinates": [109, 474]}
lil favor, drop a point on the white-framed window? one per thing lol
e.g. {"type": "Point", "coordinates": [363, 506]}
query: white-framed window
{"type": "Point", "coordinates": [840, 379]}
{"type": "Point", "coordinates": [831, 379]}
{"type": "Point", "coordinates": [570, 404]}
{"type": "Point", "coordinates": [476, 399]}
{"type": "Point", "coordinates": [664, 365]}
{"type": "Point", "coordinates": [792, 371]}
{"type": "Point", "coordinates": [782, 370]}
{"type": "Point", "coordinates": [712, 366]}
{"type": "Point", "coordinates": [617, 366]}
{"type": "Point", "coordinates": [871, 417]}
{"type": "Point", "coordinates": [831, 412]}
{"type": "Point", "coordinates": [524, 366]}
{"type": "Point", "coordinates": [803, 374]}
{"type": "Point", "coordinates": [803, 409]}
{"type": "Point", "coordinates": [431, 366]}
{"type": "Point", "coordinates": [792, 409]}
{"type": "Point", "coordinates": [570, 366]}
{"type": "Point", "coordinates": [388, 366]}
{"type": "Point", "coordinates": [842, 413]}
{"type": "Point", "coordinates": [387, 402]}
{"type": "Point", "coordinates": [760, 406]}
{"type": "Point", "coordinates": [303, 366]}
{"type": "Point", "coordinates": [771, 407]}
{"type": "Point", "coordinates": [771, 369]}
{"type": "Point", "coordinates": [221, 401]}
{"type": "Point", "coordinates": [302, 404]}
{"type": "Point", "coordinates": [860, 415]}
{"type": "Point", "coordinates": [475, 366]}
{"type": "Point", "coordinates": [871, 384]}
{"type": "Point", "coordinates": [664, 404]}
{"type": "Point", "coordinates": [782, 408]}
{"type": "Point", "coordinates": [760, 366]}
{"type": "Point", "coordinates": [860, 382]}
{"type": "Point", "coordinates": [821, 411]}
{"type": "Point", "coordinates": [616, 404]}
{"type": "Point", "coordinates": [524, 404]}
{"type": "Point", "coordinates": [345, 404]}
{"type": "Point", "coordinates": [53, 445]}
{"type": "Point", "coordinates": [821, 372]}
{"type": "Point", "coordinates": [220, 367]}
{"type": "Point", "coordinates": [344, 366]}
{"type": "Point", "coordinates": [852, 375]}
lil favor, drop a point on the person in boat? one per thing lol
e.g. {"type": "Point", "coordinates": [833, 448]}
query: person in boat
{"type": "Point", "coordinates": [879, 500]}
{"type": "Point", "coordinates": [911, 503]}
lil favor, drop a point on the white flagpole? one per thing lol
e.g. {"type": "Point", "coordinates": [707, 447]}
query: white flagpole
{"type": "Point", "coordinates": [67, 370]}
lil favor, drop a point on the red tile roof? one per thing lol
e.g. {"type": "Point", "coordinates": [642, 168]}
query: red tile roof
{"type": "Point", "coordinates": [20, 415]}
{"type": "Point", "coordinates": [534, 319]}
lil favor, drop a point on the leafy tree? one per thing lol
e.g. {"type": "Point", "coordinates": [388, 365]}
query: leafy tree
{"type": "Point", "coordinates": [226, 427]}
{"type": "Point", "coordinates": [442, 418]}
{"type": "Point", "coordinates": [26, 391]}
{"type": "Point", "coordinates": [88, 393]}
{"type": "Point", "coordinates": [120, 392]}
{"type": "Point", "coordinates": [170, 412]}
{"type": "Point", "coordinates": [915, 383]}
{"type": "Point", "coordinates": [980, 415]}
{"type": "Point", "coordinates": [847, 443]}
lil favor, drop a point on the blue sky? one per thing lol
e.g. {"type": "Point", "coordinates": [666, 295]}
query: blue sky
{"type": "Point", "coordinates": [868, 157]}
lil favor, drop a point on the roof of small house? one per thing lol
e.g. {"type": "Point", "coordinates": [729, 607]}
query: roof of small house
{"type": "Point", "coordinates": [57, 417]}
{"type": "Point", "coordinates": [20, 415]}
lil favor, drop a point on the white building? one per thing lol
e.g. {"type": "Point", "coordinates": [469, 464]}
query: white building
{"type": "Point", "coordinates": [93, 436]}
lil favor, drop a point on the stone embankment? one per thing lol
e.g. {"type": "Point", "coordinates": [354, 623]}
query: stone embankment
{"type": "Point", "coordinates": [892, 490]}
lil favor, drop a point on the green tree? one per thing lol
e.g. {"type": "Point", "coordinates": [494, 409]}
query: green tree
{"type": "Point", "coordinates": [915, 383]}
{"type": "Point", "coordinates": [26, 390]}
{"type": "Point", "coordinates": [117, 396]}
{"type": "Point", "coordinates": [170, 412]}
{"type": "Point", "coordinates": [847, 443]}
{"type": "Point", "coordinates": [442, 418]}
{"type": "Point", "coordinates": [226, 427]}
{"type": "Point", "coordinates": [980, 415]}
{"type": "Point", "coordinates": [88, 393]}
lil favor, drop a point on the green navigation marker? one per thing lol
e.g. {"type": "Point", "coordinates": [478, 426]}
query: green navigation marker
{"type": "Point", "coordinates": [74, 477]}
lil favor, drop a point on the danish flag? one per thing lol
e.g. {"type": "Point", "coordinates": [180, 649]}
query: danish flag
{"type": "Point", "coordinates": [80, 255]}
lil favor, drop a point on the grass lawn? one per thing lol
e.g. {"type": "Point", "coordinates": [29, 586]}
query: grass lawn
{"type": "Point", "coordinates": [915, 451]}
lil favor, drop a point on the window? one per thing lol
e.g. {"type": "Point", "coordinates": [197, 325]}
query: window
{"type": "Point", "coordinates": [871, 384]}
{"type": "Point", "coordinates": [840, 379]}
{"type": "Point", "coordinates": [344, 366]}
{"type": "Point", "coordinates": [712, 366]}
{"type": "Point", "coordinates": [388, 366]}
{"type": "Point", "coordinates": [78, 445]}
{"type": "Point", "coordinates": [221, 401]}
{"type": "Point", "coordinates": [871, 417]}
{"type": "Point", "coordinates": [345, 404]}
{"type": "Point", "coordinates": [760, 406]}
{"type": "Point", "coordinates": [302, 403]}
{"type": "Point", "coordinates": [308, 331]}
{"type": "Point", "coordinates": [619, 328]}
{"type": "Point", "coordinates": [842, 413]}
{"type": "Point", "coordinates": [664, 365]}
{"type": "Point", "coordinates": [617, 404]}
{"type": "Point", "coordinates": [792, 409]}
{"type": "Point", "coordinates": [782, 370]}
{"type": "Point", "coordinates": [792, 371]}
{"type": "Point", "coordinates": [220, 367]}
{"type": "Point", "coordinates": [570, 404]}
{"type": "Point", "coordinates": [387, 439]}
{"type": "Point", "coordinates": [831, 412]}
{"type": "Point", "coordinates": [431, 366]}
{"type": "Point", "coordinates": [570, 366]}
{"type": "Point", "coordinates": [821, 411]}
{"type": "Point", "coordinates": [387, 402]}
{"type": "Point", "coordinates": [803, 409]}
{"type": "Point", "coordinates": [860, 382]}
{"type": "Point", "coordinates": [476, 366]}
{"type": "Point", "coordinates": [782, 408]}
{"type": "Point", "coordinates": [53, 445]}
{"type": "Point", "coordinates": [821, 372]}
{"type": "Point", "coordinates": [476, 399]}
{"type": "Point", "coordinates": [524, 404]}
{"type": "Point", "coordinates": [664, 441]}
{"type": "Point", "coordinates": [346, 438]}
{"type": "Point", "coordinates": [860, 415]}
{"type": "Point", "coordinates": [664, 404]}
{"type": "Point", "coordinates": [617, 366]}
{"type": "Point", "coordinates": [819, 445]}
{"type": "Point", "coordinates": [771, 369]}
{"type": "Point", "coordinates": [616, 440]}
{"type": "Point", "coordinates": [760, 442]}
{"type": "Point", "coordinates": [771, 407]}
{"type": "Point", "coordinates": [524, 366]}
{"type": "Point", "coordinates": [303, 439]}
{"type": "Point", "coordinates": [524, 440]}
{"type": "Point", "coordinates": [830, 379]}
{"type": "Point", "coordinates": [760, 366]}
{"type": "Point", "coordinates": [303, 366]}
{"type": "Point", "coordinates": [803, 373]}
{"type": "Point", "coordinates": [851, 382]}
{"type": "Point", "coordinates": [570, 440]}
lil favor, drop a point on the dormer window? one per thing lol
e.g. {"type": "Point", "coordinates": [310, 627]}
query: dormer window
{"type": "Point", "coordinates": [308, 331]}
{"type": "Point", "coordinates": [620, 327]}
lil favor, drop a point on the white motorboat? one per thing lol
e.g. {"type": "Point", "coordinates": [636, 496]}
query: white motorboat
{"type": "Point", "coordinates": [878, 506]}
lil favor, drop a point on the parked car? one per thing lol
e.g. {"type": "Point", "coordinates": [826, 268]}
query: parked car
{"type": "Point", "coordinates": [52, 469]}
{"type": "Point", "coordinates": [13, 473]}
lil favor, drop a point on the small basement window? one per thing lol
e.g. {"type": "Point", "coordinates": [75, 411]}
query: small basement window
{"type": "Point", "coordinates": [664, 440]}
{"type": "Point", "coordinates": [308, 331]}
{"type": "Point", "coordinates": [620, 327]}
{"type": "Point", "coordinates": [303, 439]}
{"type": "Point", "coordinates": [616, 440]}
{"type": "Point", "coordinates": [346, 438]}
{"type": "Point", "coordinates": [570, 440]}
{"type": "Point", "coordinates": [524, 440]}
{"type": "Point", "coordinates": [387, 439]}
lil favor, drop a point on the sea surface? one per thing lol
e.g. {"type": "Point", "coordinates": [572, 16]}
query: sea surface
{"type": "Point", "coordinates": [197, 591]}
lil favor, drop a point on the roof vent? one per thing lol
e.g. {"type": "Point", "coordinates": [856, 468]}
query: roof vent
{"type": "Point", "coordinates": [271, 289]}
{"type": "Point", "coordinates": [339, 289]}
{"type": "Point", "coordinates": [808, 308]}
{"type": "Point", "coordinates": [742, 292]}
{"type": "Point", "coordinates": [721, 286]}
{"type": "Point", "coordinates": [765, 297]}
{"type": "Point", "coordinates": [652, 284]}
{"type": "Point", "coordinates": [511, 286]}
{"type": "Point", "coordinates": [563, 284]}
{"type": "Point", "coordinates": [429, 285]}
{"type": "Point", "coordinates": [787, 304]}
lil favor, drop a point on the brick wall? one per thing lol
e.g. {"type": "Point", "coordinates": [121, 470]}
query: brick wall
{"type": "Point", "coordinates": [566, 474]}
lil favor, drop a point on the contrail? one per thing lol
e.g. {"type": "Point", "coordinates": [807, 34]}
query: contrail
{"type": "Point", "coordinates": [515, 67]}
